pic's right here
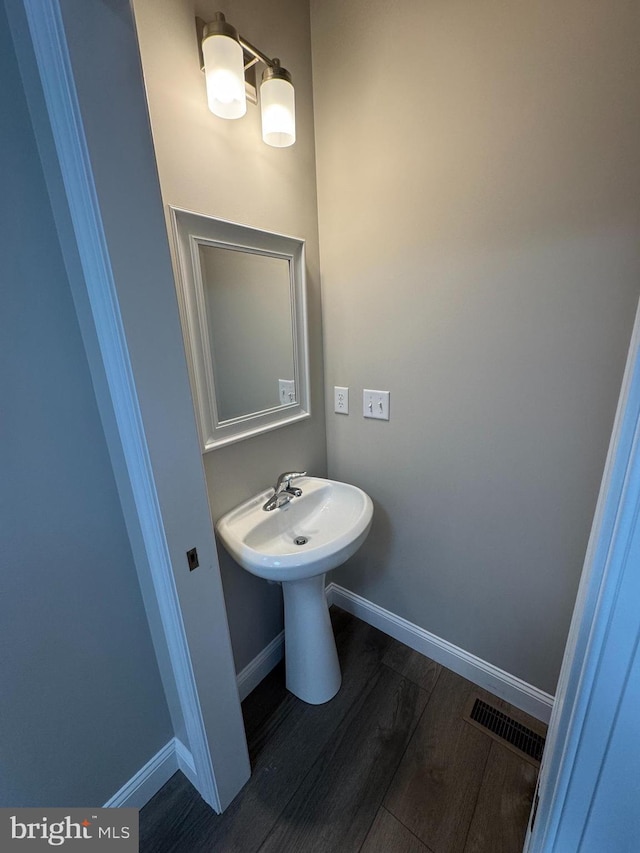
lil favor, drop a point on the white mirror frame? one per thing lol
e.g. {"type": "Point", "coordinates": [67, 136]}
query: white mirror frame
{"type": "Point", "coordinates": [190, 230]}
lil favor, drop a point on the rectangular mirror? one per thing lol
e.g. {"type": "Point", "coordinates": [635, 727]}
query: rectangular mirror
{"type": "Point", "coordinates": [242, 305]}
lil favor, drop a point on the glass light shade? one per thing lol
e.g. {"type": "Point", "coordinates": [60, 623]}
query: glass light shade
{"type": "Point", "coordinates": [224, 72]}
{"type": "Point", "coordinates": [277, 105]}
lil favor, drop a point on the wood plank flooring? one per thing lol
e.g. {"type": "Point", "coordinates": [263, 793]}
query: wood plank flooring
{"type": "Point", "coordinates": [388, 766]}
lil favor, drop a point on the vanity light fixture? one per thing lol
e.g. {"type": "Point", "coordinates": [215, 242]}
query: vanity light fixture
{"type": "Point", "coordinates": [227, 59]}
{"type": "Point", "coordinates": [223, 59]}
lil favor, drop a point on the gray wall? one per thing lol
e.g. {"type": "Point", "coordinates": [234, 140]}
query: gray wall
{"type": "Point", "coordinates": [82, 705]}
{"type": "Point", "coordinates": [222, 168]}
{"type": "Point", "coordinates": [479, 209]}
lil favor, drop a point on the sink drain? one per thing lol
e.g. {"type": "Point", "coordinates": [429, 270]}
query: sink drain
{"type": "Point", "coordinates": [300, 540]}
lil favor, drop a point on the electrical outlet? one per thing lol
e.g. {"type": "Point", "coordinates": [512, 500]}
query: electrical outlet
{"type": "Point", "coordinates": [286, 391]}
{"type": "Point", "coordinates": [341, 400]}
{"type": "Point", "coordinates": [375, 404]}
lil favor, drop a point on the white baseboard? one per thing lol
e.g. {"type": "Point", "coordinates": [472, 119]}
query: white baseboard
{"type": "Point", "coordinates": [186, 763]}
{"type": "Point", "coordinates": [174, 755]}
{"type": "Point", "coordinates": [149, 779]}
{"type": "Point", "coordinates": [524, 696]}
{"type": "Point", "coordinates": [260, 666]}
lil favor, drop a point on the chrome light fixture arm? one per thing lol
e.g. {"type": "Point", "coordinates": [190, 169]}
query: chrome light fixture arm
{"type": "Point", "coordinates": [258, 55]}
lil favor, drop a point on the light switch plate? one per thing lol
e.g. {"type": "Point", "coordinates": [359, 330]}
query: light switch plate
{"type": "Point", "coordinates": [340, 400]}
{"type": "Point", "coordinates": [375, 404]}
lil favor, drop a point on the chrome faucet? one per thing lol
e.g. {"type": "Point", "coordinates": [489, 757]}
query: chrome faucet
{"type": "Point", "coordinates": [284, 491]}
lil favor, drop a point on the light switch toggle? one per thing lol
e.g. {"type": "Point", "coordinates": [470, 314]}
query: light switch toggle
{"type": "Point", "coordinates": [375, 404]}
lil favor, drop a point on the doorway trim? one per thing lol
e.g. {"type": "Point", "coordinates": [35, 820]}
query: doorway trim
{"type": "Point", "coordinates": [571, 770]}
{"type": "Point", "coordinates": [52, 58]}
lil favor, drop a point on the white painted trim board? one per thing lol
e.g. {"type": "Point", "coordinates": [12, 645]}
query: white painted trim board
{"type": "Point", "coordinates": [260, 666]}
{"type": "Point", "coordinates": [144, 784]}
{"type": "Point", "coordinates": [524, 696]}
{"type": "Point", "coordinates": [591, 691]}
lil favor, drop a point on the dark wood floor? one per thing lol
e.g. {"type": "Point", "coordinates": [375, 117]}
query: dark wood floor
{"type": "Point", "coordinates": [388, 766]}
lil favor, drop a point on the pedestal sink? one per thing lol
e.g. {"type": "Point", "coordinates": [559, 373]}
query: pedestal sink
{"type": "Point", "coordinates": [297, 544]}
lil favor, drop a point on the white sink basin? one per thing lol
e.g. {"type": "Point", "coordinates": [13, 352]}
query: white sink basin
{"type": "Point", "coordinates": [334, 519]}
{"type": "Point", "coordinates": [330, 521]}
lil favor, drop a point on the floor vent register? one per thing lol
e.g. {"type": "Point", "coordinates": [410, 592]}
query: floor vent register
{"type": "Point", "coordinates": [504, 728]}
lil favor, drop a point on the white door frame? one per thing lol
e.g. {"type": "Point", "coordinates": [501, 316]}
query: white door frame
{"type": "Point", "coordinates": [218, 752]}
{"type": "Point", "coordinates": [602, 640]}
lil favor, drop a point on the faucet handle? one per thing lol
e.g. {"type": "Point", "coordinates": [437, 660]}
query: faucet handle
{"type": "Point", "coordinates": [287, 477]}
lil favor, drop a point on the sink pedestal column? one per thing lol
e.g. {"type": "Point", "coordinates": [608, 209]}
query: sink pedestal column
{"type": "Point", "coordinates": [313, 671]}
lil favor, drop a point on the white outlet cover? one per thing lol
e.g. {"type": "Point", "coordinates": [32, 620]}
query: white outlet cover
{"type": "Point", "coordinates": [286, 391]}
{"type": "Point", "coordinates": [340, 400]}
{"type": "Point", "coordinates": [375, 404]}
